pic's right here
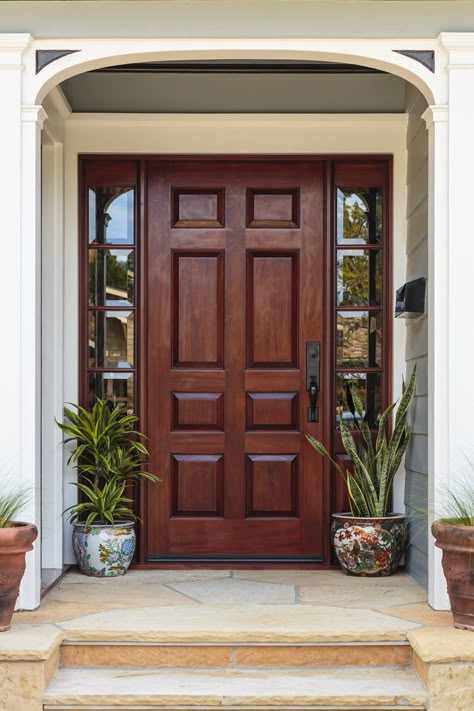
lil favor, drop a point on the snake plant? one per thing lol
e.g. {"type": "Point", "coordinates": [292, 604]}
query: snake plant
{"type": "Point", "coordinates": [375, 461]}
{"type": "Point", "coordinates": [109, 454]}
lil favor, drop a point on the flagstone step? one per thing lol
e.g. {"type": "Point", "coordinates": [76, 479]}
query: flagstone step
{"type": "Point", "coordinates": [144, 688]}
{"type": "Point", "coordinates": [237, 624]}
{"type": "Point", "coordinates": [258, 655]}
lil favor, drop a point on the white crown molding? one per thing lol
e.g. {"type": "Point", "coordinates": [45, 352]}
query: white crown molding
{"type": "Point", "coordinates": [15, 42]}
{"type": "Point", "coordinates": [35, 114]}
{"type": "Point", "coordinates": [459, 47]}
{"type": "Point", "coordinates": [231, 120]}
{"type": "Point", "coordinates": [435, 114]}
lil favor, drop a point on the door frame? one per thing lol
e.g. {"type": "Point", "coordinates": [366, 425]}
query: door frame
{"type": "Point", "coordinates": [334, 492]}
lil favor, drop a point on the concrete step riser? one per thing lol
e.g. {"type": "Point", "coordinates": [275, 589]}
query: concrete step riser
{"type": "Point", "coordinates": [220, 656]}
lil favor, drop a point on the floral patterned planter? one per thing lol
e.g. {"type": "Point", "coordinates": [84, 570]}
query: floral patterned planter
{"type": "Point", "coordinates": [104, 550]}
{"type": "Point", "coordinates": [369, 546]}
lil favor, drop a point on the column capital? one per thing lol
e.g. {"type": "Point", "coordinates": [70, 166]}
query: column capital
{"type": "Point", "coordinates": [459, 47]}
{"type": "Point", "coordinates": [12, 47]}
{"type": "Point", "coordinates": [435, 114]}
{"type": "Point", "coordinates": [35, 114]}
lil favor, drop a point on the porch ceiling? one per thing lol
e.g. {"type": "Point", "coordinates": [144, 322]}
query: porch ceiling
{"type": "Point", "coordinates": [268, 89]}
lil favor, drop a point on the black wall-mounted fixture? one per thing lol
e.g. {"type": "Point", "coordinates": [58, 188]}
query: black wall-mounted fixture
{"type": "Point", "coordinates": [410, 299]}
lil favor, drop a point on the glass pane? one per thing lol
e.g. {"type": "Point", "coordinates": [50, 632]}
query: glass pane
{"type": "Point", "coordinates": [118, 388]}
{"type": "Point", "coordinates": [359, 216]}
{"type": "Point", "coordinates": [358, 339]}
{"type": "Point", "coordinates": [359, 277]}
{"type": "Point", "coordinates": [111, 215]}
{"type": "Point", "coordinates": [111, 277]}
{"type": "Point", "coordinates": [367, 386]}
{"type": "Point", "coordinates": [111, 343]}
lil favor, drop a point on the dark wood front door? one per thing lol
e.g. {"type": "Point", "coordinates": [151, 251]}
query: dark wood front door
{"type": "Point", "coordinates": [235, 277]}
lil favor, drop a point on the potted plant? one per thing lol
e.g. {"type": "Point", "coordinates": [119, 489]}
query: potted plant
{"type": "Point", "coordinates": [370, 539]}
{"type": "Point", "coordinates": [16, 539]}
{"type": "Point", "coordinates": [109, 456]}
{"type": "Point", "coordinates": [454, 534]}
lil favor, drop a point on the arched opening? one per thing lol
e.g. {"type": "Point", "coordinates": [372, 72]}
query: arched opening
{"type": "Point", "coordinates": [230, 106]}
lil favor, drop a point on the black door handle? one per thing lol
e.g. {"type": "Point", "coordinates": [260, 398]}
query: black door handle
{"type": "Point", "coordinates": [312, 378]}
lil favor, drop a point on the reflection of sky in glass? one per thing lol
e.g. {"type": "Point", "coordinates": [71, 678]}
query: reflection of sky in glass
{"type": "Point", "coordinates": [120, 225]}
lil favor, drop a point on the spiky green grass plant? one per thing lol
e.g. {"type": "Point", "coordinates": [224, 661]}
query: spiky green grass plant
{"type": "Point", "coordinates": [373, 464]}
{"type": "Point", "coordinates": [12, 503]}
{"type": "Point", "coordinates": [458, 508]}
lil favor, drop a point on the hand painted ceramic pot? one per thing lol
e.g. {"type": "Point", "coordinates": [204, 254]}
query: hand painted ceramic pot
{"type": "Point", "coordinates": [370, 547]}
{"type": "Point", "coordinates": [104, 550]}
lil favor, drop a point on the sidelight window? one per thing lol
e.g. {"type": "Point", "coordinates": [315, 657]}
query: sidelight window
{"type": "Point", "coordinates": [359, 300]}
{"type": "Point", "coordinates": [111, 297]}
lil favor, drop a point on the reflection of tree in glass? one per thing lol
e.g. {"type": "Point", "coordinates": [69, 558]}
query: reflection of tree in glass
{"type": "Point", "coordinates": [115, 272]}
{"type": "Point", "coordinates": [356, 227]}
{"type": "Point", "coordinates": [354, 277]}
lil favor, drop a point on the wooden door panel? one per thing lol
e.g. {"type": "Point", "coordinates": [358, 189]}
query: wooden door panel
{"type": "Point", "coordinates": [234, 252]}
{"type": "Point", "coordinates": [198, 485]}
{"type": "Point", "coordinates": [272, 411]}
{"type": "Point", "coordinates": [272, 485]}
{"type": "Point", "coordinates": [272, 309]}
{"type": "Point", "coordinates": [198, 309]}
{"type": "Point", "coordinates": [198, 411]}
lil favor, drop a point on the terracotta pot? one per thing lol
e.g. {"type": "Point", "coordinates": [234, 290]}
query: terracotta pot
{"type": "Point", "coordinates": [15, 542]}
{"type": "Point", "coordinates": [370, 547]}
{"type": "Point", "coordinates": [457, 544]}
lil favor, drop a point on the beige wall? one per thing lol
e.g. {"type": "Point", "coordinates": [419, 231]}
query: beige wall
{"type": "Point", "coordinates": [416, 486]}
{"type": "Point", "coordinates": [211, 18]}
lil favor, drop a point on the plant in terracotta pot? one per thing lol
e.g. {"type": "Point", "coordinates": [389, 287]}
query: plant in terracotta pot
{"type": "Point", "coordinates": [109, 456]}
{"type": "Point", "coordinates": [454, 534]}
{"type": "Point", "coordinates": [16, 539]}
{"type": "Point", "coordinates": [370, 539]}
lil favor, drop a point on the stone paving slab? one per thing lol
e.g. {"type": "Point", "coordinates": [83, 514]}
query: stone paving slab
{"type": "Point", "coordinates": [29, 642]}
{"type": "Point", "coordinates": [360, 597]}
{"type": "Point", "coordinates": [237, 623]}
{"type": "Point", "coordinates": [387, 686]}
{"type": "Point", "coordinates": [235, 592]}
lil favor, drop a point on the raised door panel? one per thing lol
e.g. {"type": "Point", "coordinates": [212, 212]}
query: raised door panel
{"type": "Point", "coordinates": [197, 484]}
{"type": "Point", "coordinates": [198, 411]}
{"type": "Point", "coordinates": [272, 485]}
{"type": "Point", "coordinates": [272, 309]}
{"type": "Point", "coordinates": [272, 411]}
{"type": "Point", "coordinates": [273, 207]}
{"type": "Point", "coordinates": [198, 309]}
{"type": "Point", "coordinates": [197, 207]}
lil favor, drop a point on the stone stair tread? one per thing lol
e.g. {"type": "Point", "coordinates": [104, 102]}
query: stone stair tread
{"type": "Point", "coordinates": [348, 687]}
{"type": "Point", "coordinates": [237, 624]}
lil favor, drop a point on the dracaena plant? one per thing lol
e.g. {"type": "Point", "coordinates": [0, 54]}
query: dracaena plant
{"type": "Point", "coordinates": [108, 454]}
{"type": "Point", "coordinates": [375, 459]}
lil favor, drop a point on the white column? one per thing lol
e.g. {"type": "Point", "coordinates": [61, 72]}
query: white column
{"type": "Point", "coordinates": [20, 424]}
{"type": "Point", "coordinates": [436, 118]}
{"type": "Point", "coordinates": [451, 283]}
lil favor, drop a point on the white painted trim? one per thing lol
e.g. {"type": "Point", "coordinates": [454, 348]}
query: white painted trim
{"type": "Point", "coordinates": [95, 53]}
{"type": "Point", "coordinates": [258, 134]}
{"type": "Point", "coordinates": [52, 400]}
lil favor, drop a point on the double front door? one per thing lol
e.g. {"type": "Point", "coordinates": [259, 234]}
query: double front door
{"type": "Point", "coordinates": [230, 303]}
{"type": "Point", "coordinates": [235, 287]}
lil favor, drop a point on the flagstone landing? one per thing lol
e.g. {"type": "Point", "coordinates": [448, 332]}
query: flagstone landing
{"type": "Point", "coordinates": [236, 638]}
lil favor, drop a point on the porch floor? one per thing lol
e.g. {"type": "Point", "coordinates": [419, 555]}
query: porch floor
{"type": "Point", "coordinates": [154, 600]}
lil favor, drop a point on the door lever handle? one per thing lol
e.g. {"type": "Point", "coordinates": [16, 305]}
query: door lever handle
{"type": "Point", "coordinates": [313, 396]}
